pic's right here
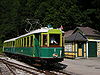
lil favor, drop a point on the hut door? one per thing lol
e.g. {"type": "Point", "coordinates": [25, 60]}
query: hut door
{"type": "Point", "coordinates": [80, 51]}
{"type": "Point", "coordinates": [92, 49]}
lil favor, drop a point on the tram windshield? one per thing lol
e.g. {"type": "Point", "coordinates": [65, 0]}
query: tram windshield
{"type": "Point", "coordinates": [54, 39]}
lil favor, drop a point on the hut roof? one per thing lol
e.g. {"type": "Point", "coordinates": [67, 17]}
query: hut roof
{"type": "Point", "coordinates": [89, 31]}
{"type": "Point", "coordinates": [68, 33]}
{"type": "Point", "coordinates": [76, 37]}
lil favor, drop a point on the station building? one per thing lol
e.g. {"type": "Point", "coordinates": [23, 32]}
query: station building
{"type": "Point", "coordinates": [82, 42]}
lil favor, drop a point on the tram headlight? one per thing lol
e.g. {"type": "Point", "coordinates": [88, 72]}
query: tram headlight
{"type": "Point", "coordinates": [55, 55]}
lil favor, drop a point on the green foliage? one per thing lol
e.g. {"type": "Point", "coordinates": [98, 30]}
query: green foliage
{"type": "Point", "coordinates": [68, 13]}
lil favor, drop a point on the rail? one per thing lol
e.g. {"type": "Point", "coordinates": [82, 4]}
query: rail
{"type": "Point", "coordinates": [30, 69]}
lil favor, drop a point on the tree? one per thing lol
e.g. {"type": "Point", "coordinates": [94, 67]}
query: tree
{"type": "Point", "coordinates": [68, 13]}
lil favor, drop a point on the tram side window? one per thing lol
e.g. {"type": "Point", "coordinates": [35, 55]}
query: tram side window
{"type": "Point", "coordinates": [7, 44]}
{"type": "Point", "coordinates": [13, 43]}
{"type": "Point", "coordinates": [10, 44]}
{"type": "Point", "coordinates": [45, 40]}
{"type": "Point", "coordinates": [24, 42]}
{"type": "Point", "coordinates": [54, 39]}
{"type": "Point", "coordinates": [31, 41]}
{"type": "Point", "coordinates": [27, 41]}
{"type": "Point", "coordinates": [17, 43]}
{"type": "Point", "coordinates": [4, 44]}
{"type": "Point", "coordinates": [20, 42]}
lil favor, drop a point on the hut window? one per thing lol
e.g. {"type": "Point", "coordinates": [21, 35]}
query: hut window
{"type": "Point", "coordinates": [80, 45]}
{"type": "Point", "coordinates": [98, 46]}
{"type": "Point", "coordinates": [98, 49]}
{"type": "Point", "coordinates": [68, 47]}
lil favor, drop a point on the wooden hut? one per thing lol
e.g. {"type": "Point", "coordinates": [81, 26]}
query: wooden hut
{"type": "Point", "coordinates": [82, 42]}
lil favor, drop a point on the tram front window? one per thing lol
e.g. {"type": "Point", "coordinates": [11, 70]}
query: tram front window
{"type": "Point", "coordinates": [54, 39]}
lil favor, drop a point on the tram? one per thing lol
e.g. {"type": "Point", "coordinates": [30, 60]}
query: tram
{"type": "Point", "coordinates": [44, 45]}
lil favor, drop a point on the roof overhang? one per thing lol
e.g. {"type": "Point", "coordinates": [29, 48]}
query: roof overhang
{"type": "Point", "coordinates": [78, 37]}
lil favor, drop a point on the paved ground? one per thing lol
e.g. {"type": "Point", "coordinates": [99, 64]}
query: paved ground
{"type": "Point", "coordinates": [90, 66]}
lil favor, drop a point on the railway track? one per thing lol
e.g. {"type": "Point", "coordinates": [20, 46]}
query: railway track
{"type": "Point", "coordinates": [15, 66]}
{"type": "Point", "coordinates": [17, 69]}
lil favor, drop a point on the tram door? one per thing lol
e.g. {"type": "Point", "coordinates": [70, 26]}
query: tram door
{"type": "Point", "coordinates": [36, 45]}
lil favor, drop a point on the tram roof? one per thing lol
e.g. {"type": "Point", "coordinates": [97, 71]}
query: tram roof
{"type": "Point", "coordinates": [43, 29]}
{"type": "Point", "coordinates": [13, 39]}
